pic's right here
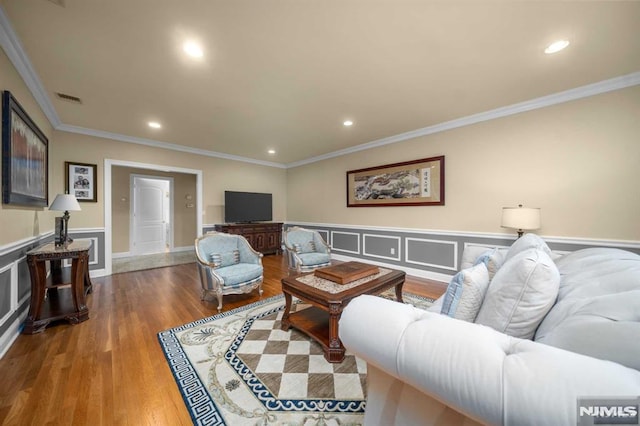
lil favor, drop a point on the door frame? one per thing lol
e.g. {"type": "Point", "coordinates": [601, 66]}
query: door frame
{"type": "Point", "coordinates": [108, 237]}
{"type": "Point", "coordinates": [132, 178]}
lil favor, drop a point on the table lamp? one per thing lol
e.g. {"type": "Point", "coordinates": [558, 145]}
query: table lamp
{"type": "Point", "coordinates": [65, 203]}
{"type": "Point", "coordinates": [521, 218]}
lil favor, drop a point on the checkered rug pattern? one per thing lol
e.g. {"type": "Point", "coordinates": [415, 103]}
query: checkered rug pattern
{"type": "Point", "coordinates": [292, 366]}
{"type": "Point", "coordinates": [240, 368]}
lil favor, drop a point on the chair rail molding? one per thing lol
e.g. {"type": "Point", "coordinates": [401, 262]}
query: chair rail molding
{"type": "Point", "coordinates": [429, 253]}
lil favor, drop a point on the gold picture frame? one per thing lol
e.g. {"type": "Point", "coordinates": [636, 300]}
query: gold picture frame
{"type": "Point", "coordinates": [411, 183]}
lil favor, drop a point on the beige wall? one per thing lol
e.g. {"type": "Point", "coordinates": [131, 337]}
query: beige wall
{"type": "Point", "coordinates": [218, 174]}
{"type": "Point", "coordinates": [184, 220]}
{"type": "Point", "coordinates": [19, 222]}
{"type": "Point", "coordinates": [579, 161]}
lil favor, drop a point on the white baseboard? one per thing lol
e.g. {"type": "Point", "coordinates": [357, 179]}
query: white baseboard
{"type": "Point", "coordinates": [96, 273]}
{"type": "Point", "coordinates": [121, 255]}
{"type": "Point", "coordinates": [173, 250]}
{"type": "Point", "coordinates": [181, 249]}
{"type": "Point", "coordinates": [436, 276]}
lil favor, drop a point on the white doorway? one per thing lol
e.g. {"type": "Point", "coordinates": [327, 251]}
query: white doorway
{"type": "Point", "coordinates": [151, 215]}
{"type": "Point", "coordinates": [108, 204]}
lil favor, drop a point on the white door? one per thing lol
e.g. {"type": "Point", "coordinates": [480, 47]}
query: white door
{"type": "Point", "coordinates": [150, 215]}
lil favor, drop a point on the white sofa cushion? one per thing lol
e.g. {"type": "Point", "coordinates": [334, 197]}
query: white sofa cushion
{"type": "Point", "coordinates": [526, 242]}
{"type": "Point", "coordinates": [465, 293]}
{"type": "Point", "coordinates": [598, 307]}
{"type": "Point", "coordinates": [522, 292]}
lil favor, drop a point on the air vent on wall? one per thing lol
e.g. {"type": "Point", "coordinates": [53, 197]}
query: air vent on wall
{"type": "Point", "coordinates": [58, 2]}
{"type": "Point", "coordinates": [69, 98]}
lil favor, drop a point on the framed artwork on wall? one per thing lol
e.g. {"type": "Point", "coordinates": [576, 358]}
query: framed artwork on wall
{"type": "Point", "coordinates": [81, 180]}
{"type": "Point", "coordinates": [25, 157]}
{"type": "Point", "coordinates": [411, 183]}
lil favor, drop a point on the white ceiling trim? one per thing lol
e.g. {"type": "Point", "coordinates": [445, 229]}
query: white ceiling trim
{"type": "Point", "coordinates": [604, 86]}
{"type": "Point", "coordinates": [16, 54]}
{"type": "Point", "coordinates": [14, 50]}
{"type": "Point", "coordinates": [164, 145]}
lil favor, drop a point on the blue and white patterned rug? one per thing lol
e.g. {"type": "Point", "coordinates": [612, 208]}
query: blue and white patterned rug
{"type": "Point", "coordinates": [240, 368]}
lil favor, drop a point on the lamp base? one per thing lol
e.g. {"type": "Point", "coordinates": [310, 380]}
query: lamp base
{"type": "Point", "coordinates": [62, 230]}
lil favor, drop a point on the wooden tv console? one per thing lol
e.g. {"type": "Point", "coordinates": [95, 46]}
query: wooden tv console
{"type": "Point", "coordinates": [265, 237]}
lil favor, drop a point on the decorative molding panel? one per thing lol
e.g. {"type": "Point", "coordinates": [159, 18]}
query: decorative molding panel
{"type": "Point", "coordinates": [340, 237]}
{"type": "Point", "coordinates": [94, 252]}
{"type": "Point", "coordinates": [378, 250]}
{"type": "Point", "coordinates": [433, 254]}
{"type": "Point", "coordinates": [447, 250]}
{"type": "Point", "coordinates": [8, 292]}
{"type": "Point", "coordinates": [325, 235]}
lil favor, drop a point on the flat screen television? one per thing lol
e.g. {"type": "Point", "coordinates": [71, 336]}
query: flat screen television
{"type": "Point", "coordinates": [247, 207]}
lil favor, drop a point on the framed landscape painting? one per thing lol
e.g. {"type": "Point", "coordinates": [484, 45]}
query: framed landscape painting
{"type": "Point", "coordinates": [411, 183]}
{"type": "Point", "coordinates": [81, 181]}
{"type": "Point", "coordinates": [25, 157]}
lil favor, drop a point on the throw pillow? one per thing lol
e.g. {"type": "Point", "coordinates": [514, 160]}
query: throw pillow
{"type": "Point", "coordinates": [527, 241]}
{"type": "Point", "coordinates": [216, 259]}
{"type": "Point", "coordinates": [465, 293]}
{"type": "Point", "coordinates": [307, 247]}
{"type": "Point", "coordinates": [493, 259]}
{"type": "Point", "coordinates": [521, 293]}
{"type": "Point", "coordinates": [225, 258]}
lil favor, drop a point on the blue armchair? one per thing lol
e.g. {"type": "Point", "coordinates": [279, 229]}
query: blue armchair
{"type": "Point", "coordinates": [305, 249]}
{"type": "Point", "coordinates": [227, 264]}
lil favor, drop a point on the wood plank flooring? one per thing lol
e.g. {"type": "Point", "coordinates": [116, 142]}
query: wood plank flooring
{"type": "Point", "coordinates": [110, 369]}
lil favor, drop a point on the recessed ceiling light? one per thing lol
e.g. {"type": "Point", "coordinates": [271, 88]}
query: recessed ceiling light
{"type": "Point", "coordinates": [348, 123]}
{"type": "Point", "coordinates": [556, 46]}
{"type": "Point", "coordinates": [154, 124]}
{"type": "Point", "coordinates": [193, 49]}
{"type": "Point", "coordinates": [272, 151]}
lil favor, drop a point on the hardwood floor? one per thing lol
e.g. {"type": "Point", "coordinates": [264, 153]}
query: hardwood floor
{"type": "Point", "coordinates": [110, 369]}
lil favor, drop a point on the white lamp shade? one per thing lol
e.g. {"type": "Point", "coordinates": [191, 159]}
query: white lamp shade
{"type": "Point", "coordinates": [525, 218]}
{"type": "Point", "coordinates": [65, 202]}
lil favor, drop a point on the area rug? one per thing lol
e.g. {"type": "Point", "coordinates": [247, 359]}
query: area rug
{"type": "Point", "coordinates": [240, 368]}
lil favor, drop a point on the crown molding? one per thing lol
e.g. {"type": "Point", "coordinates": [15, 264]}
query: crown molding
{"type": "Point", "coordinates": [604, 86]}
{"type": "Point", "coordinates": [16, 54]}
{"type": "Point", "coordinates": [163, 145]}
{"type": "Point", "coordinates": [14, 50]}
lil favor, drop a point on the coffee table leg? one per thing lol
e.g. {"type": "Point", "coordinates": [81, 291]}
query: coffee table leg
{"type": "Point", "coordinates": [336, 349]}
{"type": "Point", "coordinates": [285, 324]}
{"type": "Point", "coordinates": [399, 292]}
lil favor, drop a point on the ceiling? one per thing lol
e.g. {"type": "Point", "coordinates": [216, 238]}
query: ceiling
{"type": "Point", "coordinates": [284, 75]}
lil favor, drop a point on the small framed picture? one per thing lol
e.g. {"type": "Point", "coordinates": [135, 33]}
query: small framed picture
{"type": "Point", "coordinates": [81, 180]}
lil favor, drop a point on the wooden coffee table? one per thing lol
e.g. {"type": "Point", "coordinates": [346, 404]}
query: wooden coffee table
{"type": "Point", "coordinates": [328, 299]}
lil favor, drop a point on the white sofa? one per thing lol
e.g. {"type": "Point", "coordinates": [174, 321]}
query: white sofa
{"type": "Point", "coordinates": [425, 368]}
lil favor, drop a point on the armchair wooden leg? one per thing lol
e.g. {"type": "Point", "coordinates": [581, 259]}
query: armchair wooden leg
{"type": "Point", "coordinates": [219, 294]}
